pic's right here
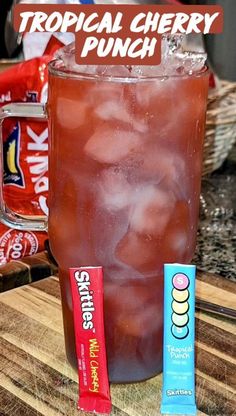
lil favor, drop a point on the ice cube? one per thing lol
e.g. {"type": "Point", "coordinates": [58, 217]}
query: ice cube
{"type": "Point", "coordinates": [145, 91]}
{"type": "Point", "coordinates": [171, 44]}
{"type": "Point", "coordinates": [115, 110]}
{"type": "Point", "coordinates": [159, 163]}
{"type": "Point", "coordinates": [109, 145]}
{"type": "Point", "coordinates": [66, 57]}
{"type": "Point", "coordinates": [106, 91]}
{"type": "Point", "coordinates": [139, 125]}
{"type": "Point", "coordinates": [177, 241]}
{"type": "Point", "coordinates": [174, 60]}
{"type": "Point", "coordinates": [71, 114]}
{"type": "Point", "coordinates": [117, 71]}
{"type": "Point", "coordinates": [132, 295]}
{"type": "Point", "coordinates": [115, 192]}
{"type": "Point", "coordinates": [146, 71]}
{"type": "Point", "coordinates": [136, 308]}
{"type": "Point", "coordinates": [152, 210]}
{"type": "Point", "coordinates": [138, 251]}
{"type": "Point", "coordinates": [141, 323]}
{"type": "Point", "coordinates": [187, 62]}
{"type": "Point", "coordinates": [110, 109]}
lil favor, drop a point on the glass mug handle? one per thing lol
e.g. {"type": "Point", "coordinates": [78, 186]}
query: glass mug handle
{"type": "Point", "coordinates": [7, 216]}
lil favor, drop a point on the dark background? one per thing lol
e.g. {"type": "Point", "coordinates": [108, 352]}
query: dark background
{"type": "Point", "coordinates": [5, 6]}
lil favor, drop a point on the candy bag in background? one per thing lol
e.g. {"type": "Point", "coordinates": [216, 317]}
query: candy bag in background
{"type": "Point", "coordinates": [39, 44]}
{"type": "Point", "coordinates": [25, 157]}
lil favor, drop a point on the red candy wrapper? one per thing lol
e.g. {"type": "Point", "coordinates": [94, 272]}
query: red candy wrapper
{"type": "Point", "coordinates": [87, 296]}
{"type": "Point", "coordinates": [25, 157]}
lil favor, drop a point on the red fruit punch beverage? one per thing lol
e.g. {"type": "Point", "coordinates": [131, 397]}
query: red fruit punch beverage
{"type": "Point", "coordinates": [125, 173]}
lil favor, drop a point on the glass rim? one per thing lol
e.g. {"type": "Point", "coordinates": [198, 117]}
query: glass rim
{"type": "Point", "coordinates": [64, 73]}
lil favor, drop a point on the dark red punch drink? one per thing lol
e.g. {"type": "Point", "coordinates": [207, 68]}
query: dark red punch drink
{"type": "Point", "coordinates": [125, 174]}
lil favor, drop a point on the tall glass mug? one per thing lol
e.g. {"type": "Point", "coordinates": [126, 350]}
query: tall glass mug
{"type": "Point", "coordinates": [125, 171]}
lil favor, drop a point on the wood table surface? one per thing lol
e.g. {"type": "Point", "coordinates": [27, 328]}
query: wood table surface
{"type": "Point", "coordinates": [35, 378]}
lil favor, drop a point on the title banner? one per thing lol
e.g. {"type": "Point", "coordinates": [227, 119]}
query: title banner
{"type": "Point", "coordinates": [118, 34]}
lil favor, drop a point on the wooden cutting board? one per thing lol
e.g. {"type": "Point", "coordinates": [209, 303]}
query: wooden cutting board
{"type": "Point", "coordinates": [35, 378]}
{"type": "Point", "coordinates": [216, 294]}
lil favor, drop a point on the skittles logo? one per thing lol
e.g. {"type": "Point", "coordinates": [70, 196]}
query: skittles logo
{"type": "Point", "coordinates": [180, 306]}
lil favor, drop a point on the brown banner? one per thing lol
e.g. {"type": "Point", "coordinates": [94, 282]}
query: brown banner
{"type": "Point", "coordinates": [118, 34]}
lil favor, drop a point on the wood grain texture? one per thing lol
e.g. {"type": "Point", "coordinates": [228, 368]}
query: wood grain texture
{"type": "Point", "coordinates": [35, 378]}
{"type": "Point", "coordinates": [215, 294]}
{"type": "Point", "coordinates": [216, 289]}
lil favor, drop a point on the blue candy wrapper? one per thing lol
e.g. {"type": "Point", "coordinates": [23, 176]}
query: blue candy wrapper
{"type": "Point", "coordinates": [178, 392]}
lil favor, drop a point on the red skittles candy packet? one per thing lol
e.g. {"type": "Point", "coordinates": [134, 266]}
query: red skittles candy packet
{"type": "Point", "coordinates": [25, 157]}
{"type": "Point", "coordinates": [87, 295]}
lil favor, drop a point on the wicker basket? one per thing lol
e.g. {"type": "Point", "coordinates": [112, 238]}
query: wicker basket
{"type": "Point", "coordinates": [220, 126]}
